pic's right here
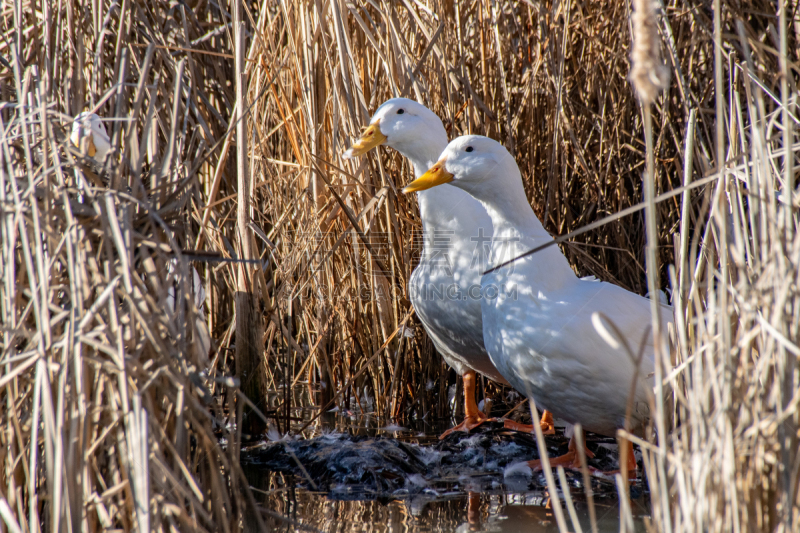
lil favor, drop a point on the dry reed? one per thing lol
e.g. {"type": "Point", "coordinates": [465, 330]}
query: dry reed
{"type": "Point", "coordinates": [110, 421]}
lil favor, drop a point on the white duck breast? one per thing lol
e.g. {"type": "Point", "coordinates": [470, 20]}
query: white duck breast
{"type": "Point", "coordinates": [539, 319]}
{"type": "Point", "coordinates": [445, 288]}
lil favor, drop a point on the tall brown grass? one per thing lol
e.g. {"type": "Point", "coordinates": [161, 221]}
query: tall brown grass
{"type": "Point", "coordinates": [109, 419]}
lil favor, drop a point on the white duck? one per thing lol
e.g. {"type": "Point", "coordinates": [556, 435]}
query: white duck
{"type": "Point", "coordinates": [545, 329]}
{"type": "Point", "coordinates": [89, 134]}
{"type": "Point", "coordinates": [445, 286]}
{"type": "Point", "coordinates": [91, 137]}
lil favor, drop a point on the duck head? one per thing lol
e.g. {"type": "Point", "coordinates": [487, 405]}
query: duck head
{"type": "Point", "coordinates": [405, 125]}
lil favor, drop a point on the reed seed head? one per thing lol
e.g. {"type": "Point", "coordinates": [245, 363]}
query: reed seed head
{"type": "Point", "coordinates": [649, 74]}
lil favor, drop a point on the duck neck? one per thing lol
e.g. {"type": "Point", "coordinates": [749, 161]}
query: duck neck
{"type": "Point", "coordinates": [517, 229]}
{"type": "Point", "coordinates": [422, 157]}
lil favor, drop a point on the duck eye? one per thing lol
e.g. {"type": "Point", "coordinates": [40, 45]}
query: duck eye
{"type": "Point", "coordinates": [468, 149]}
{"type": "Point", "coordinates": [401, 111]}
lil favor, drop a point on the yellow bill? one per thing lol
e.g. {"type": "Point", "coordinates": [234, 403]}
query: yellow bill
{"type": "Point", "coordinates": [91, 149]}
{"type": "Point", "coordinates": [371, 138]}
{"type": "Point", "coordinates": [88, 144]}
{"type": "Point", "coordinates": [436, 175]}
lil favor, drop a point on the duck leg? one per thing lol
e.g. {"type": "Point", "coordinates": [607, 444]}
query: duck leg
{"type": "Point", "coordinates": [473, 417]}
{"type": "Point", "coordinates": [546, 423]}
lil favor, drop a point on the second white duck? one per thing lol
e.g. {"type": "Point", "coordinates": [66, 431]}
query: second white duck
{"type": "Point", "coordinates": [546, 330]}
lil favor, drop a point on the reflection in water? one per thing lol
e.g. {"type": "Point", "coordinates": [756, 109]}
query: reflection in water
{"type": "Point", "coordinates": [494, 512]}
{"type": "Point", "coordinates": [465, 503]}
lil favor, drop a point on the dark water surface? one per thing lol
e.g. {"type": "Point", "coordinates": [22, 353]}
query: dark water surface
{"type": "Point", "coordinates": [350, 475]}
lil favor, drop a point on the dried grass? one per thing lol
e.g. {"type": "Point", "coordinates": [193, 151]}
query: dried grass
{"type": "Point", "coordinates": [100, 375]}
{"type": "Point", "coordinates": [727, 457]}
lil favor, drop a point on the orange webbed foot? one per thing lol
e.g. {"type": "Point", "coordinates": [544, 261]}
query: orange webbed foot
{"type": "Point", "coordinates": [469, 423]}
{"type": "Point", "coordinates": [547, 425]}
{"type": "Point", "coordinates": [516, 426]}
{"type": "Point", "coordinates": [569, 460]}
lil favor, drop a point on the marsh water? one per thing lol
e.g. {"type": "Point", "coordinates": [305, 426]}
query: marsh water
{"type": "Point", "coordinates": [350, 473]}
